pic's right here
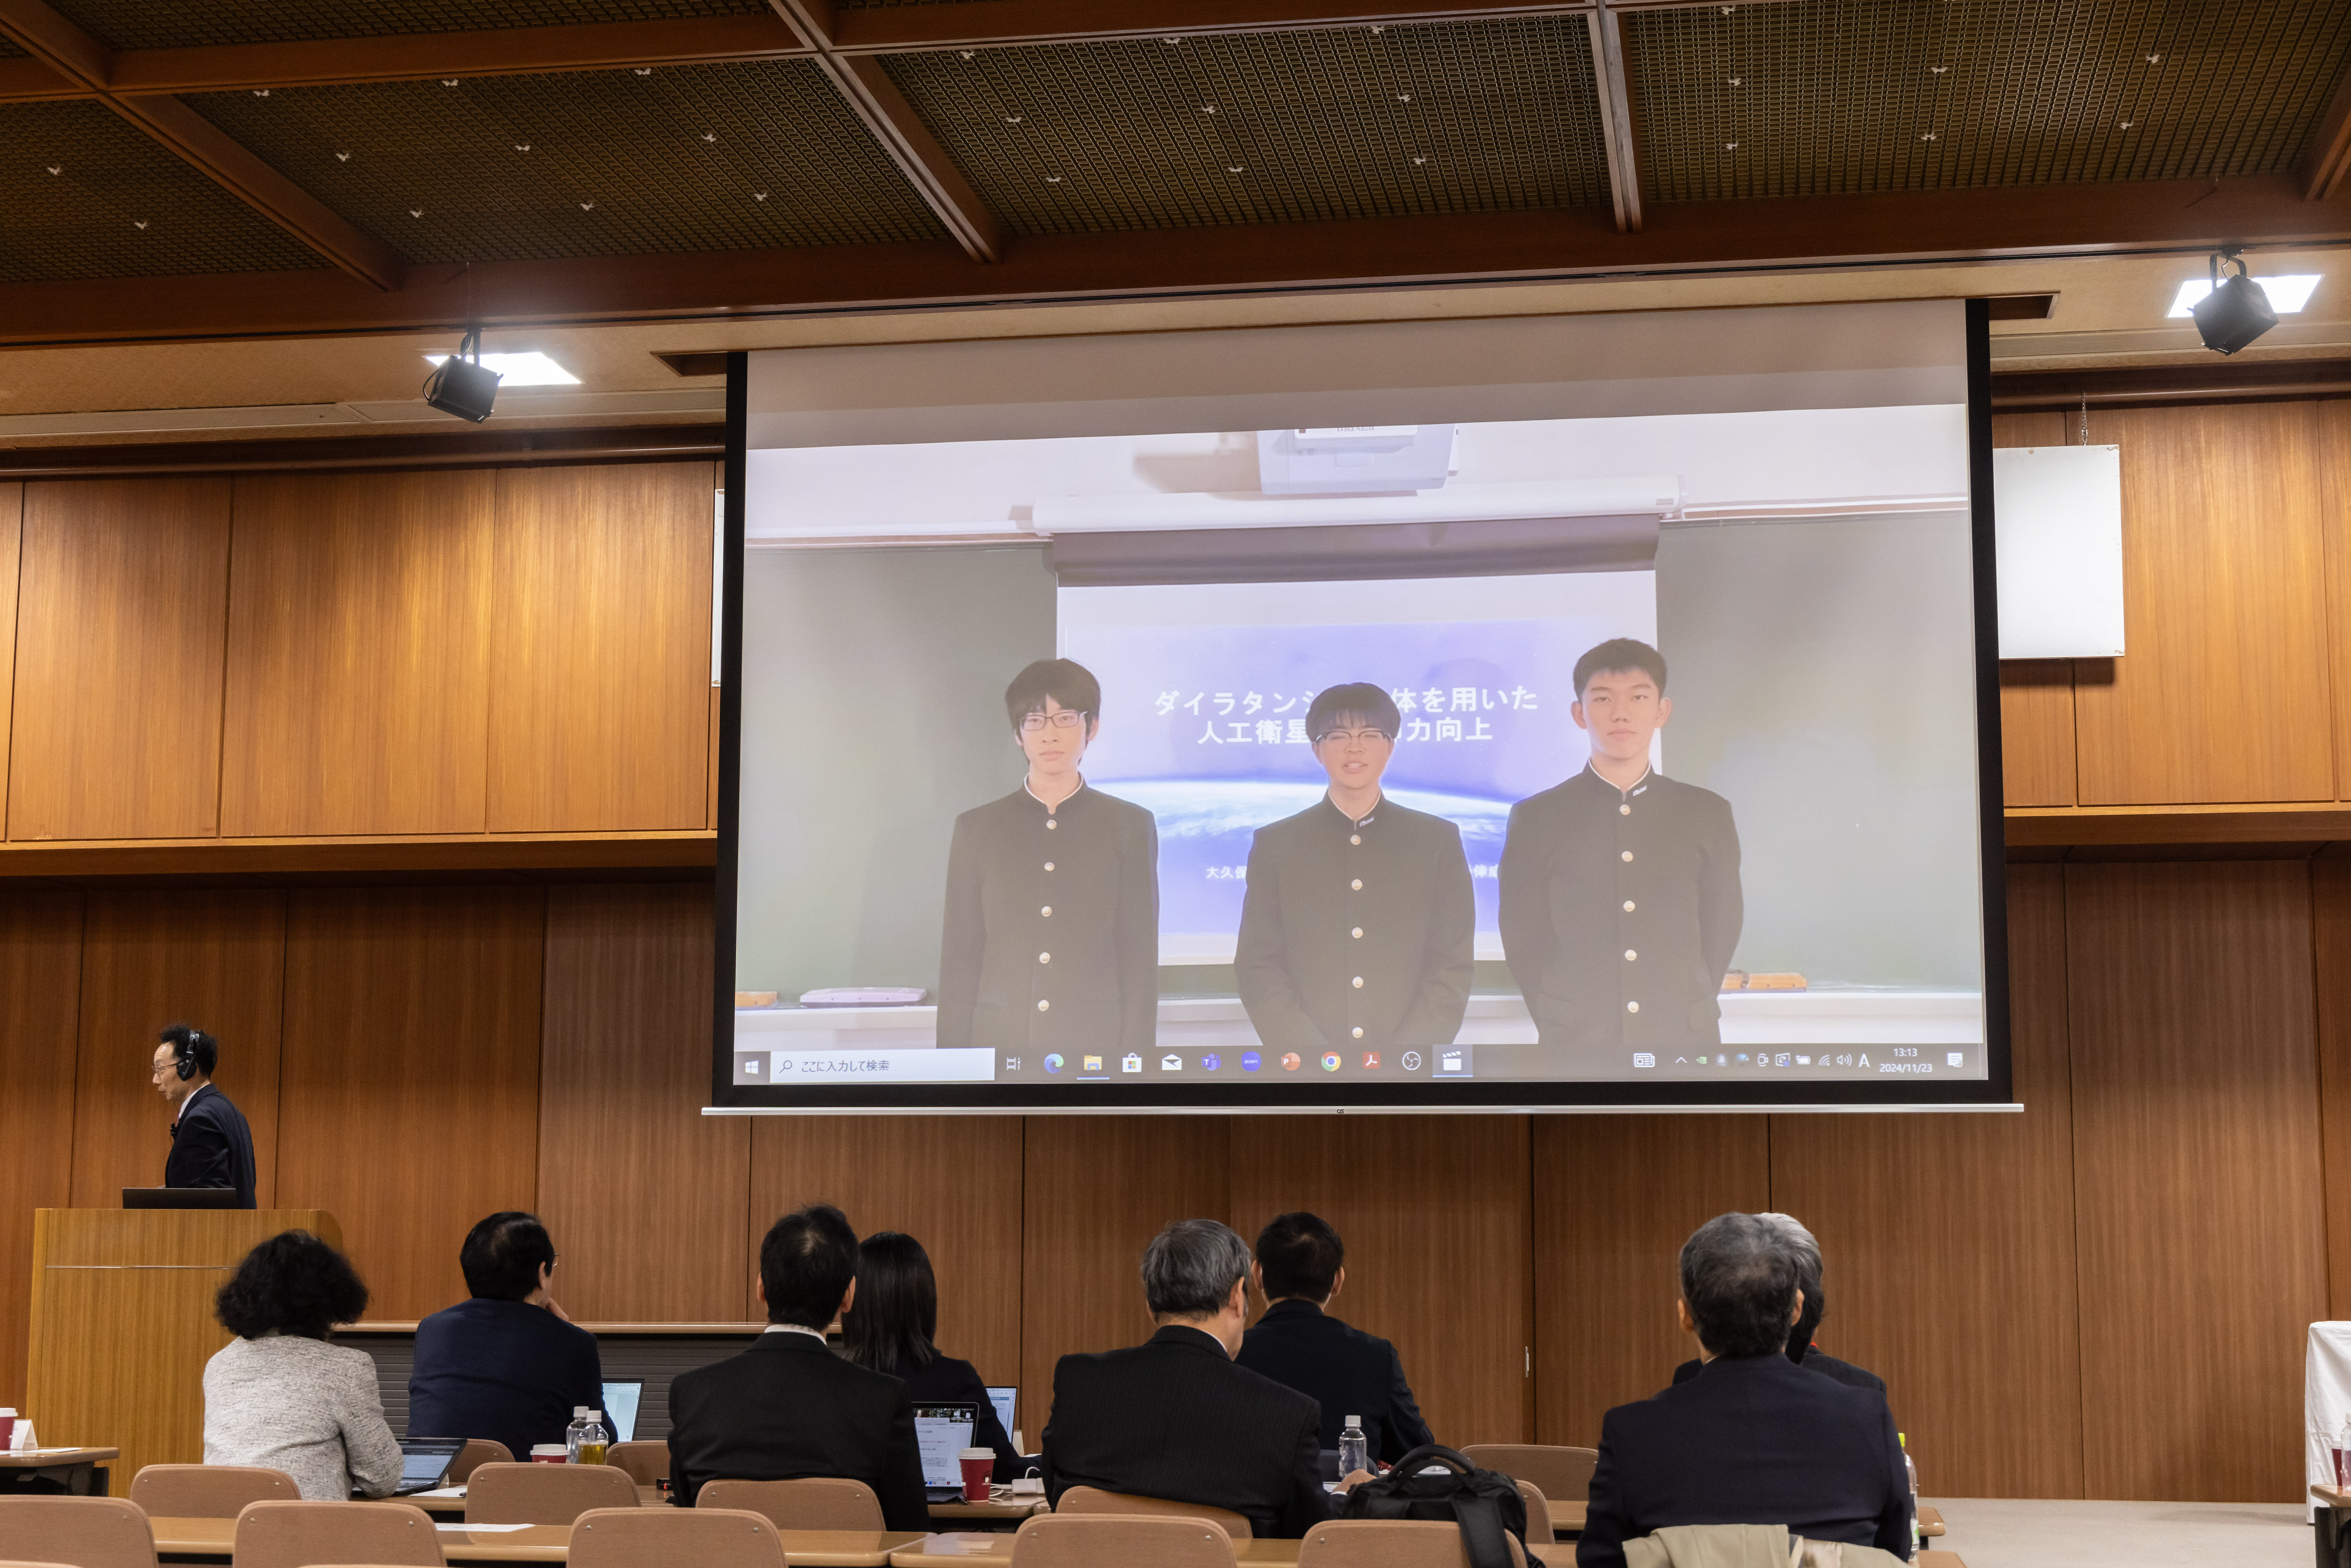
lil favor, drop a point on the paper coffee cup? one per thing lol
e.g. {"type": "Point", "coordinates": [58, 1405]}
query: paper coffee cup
{"type": "Point", "coordinates": [549, 1454]}
{"type": "Point", "coordinates": [978, 1468]}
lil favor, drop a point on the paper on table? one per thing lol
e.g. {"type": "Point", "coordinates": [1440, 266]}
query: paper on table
{"type": "Point", "coordinates": [441, 1491]}
{"type": "Point", "coordinates": [481, 1528]}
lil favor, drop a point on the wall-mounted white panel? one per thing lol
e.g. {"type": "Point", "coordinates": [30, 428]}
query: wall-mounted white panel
{"type": "Point", "coordinates": [2059, 526]}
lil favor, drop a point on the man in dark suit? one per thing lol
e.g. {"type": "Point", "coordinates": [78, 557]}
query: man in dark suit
{"type": "Point", "coordinates": [211, 1145]}
{"type": "Point", "coordinates": [1301, 1266]}
{"type": "Point", "coordinates": [1356, 928]}
{"type": "Point", "coordinates": [789, 1407]}
{"type": "Point", "coordinates": [507, 1365]}
{"type": "Point", "coordinates": [1801, 1348]}
{"type": "Point", "coordinates": [1753, 1438]}
{"type": "Point", "coordinates": [1173, 1417]}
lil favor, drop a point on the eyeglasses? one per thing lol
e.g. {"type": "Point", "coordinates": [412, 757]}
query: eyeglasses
{"type": "Point", "coordinates": [1066, 718]}
{"type": "Point", "coordinates": [1350, 737]}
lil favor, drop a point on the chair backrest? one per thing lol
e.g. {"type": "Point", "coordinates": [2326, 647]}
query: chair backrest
{"type": "Point", "coordinates": [1093, 1500]}
{"type": "Point", "coordinates": [816, 1503]}
{"type": "Point", "coordinates": [1128, 1540]}
{"type": "Point", "coordinates": [208, 1492]}
{"type": "Point", "coordinates": [1562, 1473]}
{"type": "Point", "coordinates": [1539, 1531]}
{"type": "Point", "coordinates": [646, 1460]}
{"type": "Point", "coordinates": [1389, 1543]}
{"type": "Point", "coordinates": [79, 1532]}
{"type": "Point", "coordinates": [477, 1452]}
{"type": "Point", "coordinates": [14, 1563]}
{"type": "Point", "coordinates": [544, 1494]}
{"type": "Point", "coordinates": [665, 1537]}
{"type": "Point", "coordinates": [301, 1534]}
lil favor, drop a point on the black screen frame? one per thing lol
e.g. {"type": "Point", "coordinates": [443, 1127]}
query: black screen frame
{"type": "Point", "coordinates": [1994, 1090]}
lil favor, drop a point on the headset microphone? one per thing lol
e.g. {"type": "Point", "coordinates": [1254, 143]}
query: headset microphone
{"type": "Point", "coordinates": [184, 1057]}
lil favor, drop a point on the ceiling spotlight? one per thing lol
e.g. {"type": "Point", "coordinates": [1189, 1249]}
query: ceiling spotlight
{"type": "Point", "coordinates": [531, 370]}
{"type": "Point", "coordinates": [2234, 311]}
{"type": "Point", "coordinates": [462, 385]}
{"type": "Point", "coordinates": [2288, 293]}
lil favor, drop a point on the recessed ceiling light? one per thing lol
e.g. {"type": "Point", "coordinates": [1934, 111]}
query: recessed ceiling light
{"type": "Point", "coordinates": [531, 370]}
{"type": "Point", "coordinates": [2288, 294]}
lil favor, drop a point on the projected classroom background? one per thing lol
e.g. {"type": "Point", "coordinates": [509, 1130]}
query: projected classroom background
{"type": "Point", "coordinates": [1781, 883]}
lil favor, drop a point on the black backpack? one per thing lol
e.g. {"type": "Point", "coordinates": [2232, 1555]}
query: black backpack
{"type": "Point", "coordinates": [1485, 1503]}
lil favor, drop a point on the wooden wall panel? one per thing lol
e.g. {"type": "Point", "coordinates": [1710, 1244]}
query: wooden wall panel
{"type": "Point", "coordinates": [2331, 917]}
{"type": "Point", "coordinates": [12, 534]}
{"type": "Point", "coordinates": [1948, 1242]}
{"type": "Point", "coordinates": [1097, 1189]}
{"type": "Point", "coordinates": [122, 595]}
{"type": "Point", "coordinates": [1437, 1263]}
{"type": "Point", "coordinates": [647, 1197]}
{"type": "Point", "coordinates": [359, 654]}
{"type": "Point", "coordinates": [953, 1183]}
{"type": "Point", "coordinates": [1614, 1199]}
{"type": "Point", "coordinates": [2036, 732]}
{"type": "Point", "coordinates": [40, 993]}
{"type": "Point", "coordinates": [2334, 422]}
{"type": "Point", "coordinates": [2200, 1207]}
{"type": "Point", "coordinates": [599, 685]}
{"type": "Point", "coordinates": [2225, 596]}
{"type": "Point", "coordinates": [409, 1105]}
{"type": "Point", "coordinates": [211, 957]}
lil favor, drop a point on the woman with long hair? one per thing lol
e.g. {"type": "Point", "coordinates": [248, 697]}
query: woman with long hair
{"type": "Point", "coordinates": [892, 1325]}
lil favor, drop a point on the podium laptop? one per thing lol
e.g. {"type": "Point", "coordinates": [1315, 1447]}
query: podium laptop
{"type": "Point", "coordinates": [179, 1198]}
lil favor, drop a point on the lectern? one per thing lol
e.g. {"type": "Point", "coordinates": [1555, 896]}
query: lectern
{"type": "Point", "coordinates": [122, 1322]}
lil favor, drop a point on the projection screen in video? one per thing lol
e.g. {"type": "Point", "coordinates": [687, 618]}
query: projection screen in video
{"type": "Point", "coordinates": [1575, 711]}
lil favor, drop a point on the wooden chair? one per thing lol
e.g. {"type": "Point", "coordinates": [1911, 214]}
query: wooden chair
{"type": "Point", "coordinates": [477, 1452]}
{"type": "Point", "coordinates": [12, 1563]}
{"type": "Point", "coordinates": [1539, 1531]}
{"type": "Point", "coordinates": [1092, 1499]}
{"type": "Point", "coordinates": [1389, 1543]}
{"type": "Point", "coordinates": [826, 1502]}
{"type": "Point", "coordinates": [665, 1537]}
{"type": "Point", "coordinates": [78, 1532]}
{"type": "Point", "coordinates": [208, 1492]}
{"type": "Point", "coordinates": [302, 1534]}
{"type": "Point", "coordinates": [544, 1494]}
{"type": "Point", "coordinates": [1562, 1473]}
{"type": "Point", "coordinates": [646, 1460]}
{"type": "Point", "coordinates": [1128, 1540]}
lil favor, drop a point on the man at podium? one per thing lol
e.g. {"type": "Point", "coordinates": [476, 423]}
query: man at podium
{"type": "Point", "coordinates": [211, 1145]}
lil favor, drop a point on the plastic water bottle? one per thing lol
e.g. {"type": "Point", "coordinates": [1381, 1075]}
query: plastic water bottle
{"type": "Point", "coordinates": [1354, 1451]}
{"type": "Point", "coordinates": [571, 1434]}
{"type": "Point", "coordinates": [595, 1442]}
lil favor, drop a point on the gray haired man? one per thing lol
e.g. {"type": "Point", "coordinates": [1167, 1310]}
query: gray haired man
{"type": "Point", "coordinates": [1806, 1252]}
{"type": "Point", "coordinates": [1173, 1417]}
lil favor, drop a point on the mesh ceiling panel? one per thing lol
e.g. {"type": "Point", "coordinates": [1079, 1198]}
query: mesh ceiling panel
{"type": "Point", "coordinates": [178, 24]}
{"type": "Point", "coordinates": [1832, 97]}
{"type": "Point", "coordinates": [1271, 127]}
{"type": "Point", "coordinates": [694, 158]}
{"type": "Point", "coordinates": [83, 221]}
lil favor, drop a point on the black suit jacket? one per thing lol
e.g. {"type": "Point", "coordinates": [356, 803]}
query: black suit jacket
{"type": "Point", "coordinates": [1751, 1440]}
{"type": "Point", "coordinates": [504, 1370]}
{"type": "Point", "coordinates": [1815, 1360]}
{"type": "Point", "coordinates": [1173, 1417]}
{"type": "Point", "coordinates": [944, 1380]}
{"type": "Point", "coordinates": [789, 1407]}
{"type": "Point", "coordinates": [211, 1147]}
{"type": "Point", "coordinates": [1343, 1369]}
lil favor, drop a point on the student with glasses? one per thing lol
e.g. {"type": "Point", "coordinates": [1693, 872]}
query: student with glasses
{"type": "Point", "coordinates": [1050, 943]}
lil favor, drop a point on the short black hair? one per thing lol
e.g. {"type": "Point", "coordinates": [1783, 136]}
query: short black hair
{"type": "Point", "coordinates": [186, 1040]}
{"type": "Point", "coordinates": [1358, 699]}
{"type": "Point", "coordinates": [1298, 1254]}
{"type": "Point", "coordinates": [1066, 681]}
{"type": "Point", "coordinates": [1620, 653]}
{"type": "Point", "coordinates": [893, 1323]}
{"type": "Point", "coordinates": [502, 1254]}
{"type": "Point", "coordinates": [1740, 1281]}
{"type": "Point", "coordinates": [293, 1283]}
{"type": "Point", "coordinates": [807, 1264]}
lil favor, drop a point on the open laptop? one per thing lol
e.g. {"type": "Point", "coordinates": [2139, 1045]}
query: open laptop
{"type": "Point", "coordinates": [941, 1433]}
{"type": "Point", "coordinates": [1004, 1400]}
{"type": "Point", "coordinates": [423, 1461]}
{"type": "Point", "coordinates": [621, 1400]}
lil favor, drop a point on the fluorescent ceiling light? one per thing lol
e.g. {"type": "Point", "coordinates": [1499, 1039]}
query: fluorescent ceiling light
{"type": "Point", "coordinates": [2287, 294]}
{"type": "Point", "coordinates": [536, 369]}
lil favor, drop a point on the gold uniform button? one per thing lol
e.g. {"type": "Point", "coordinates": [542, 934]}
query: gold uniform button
{"type": "Point", "coordinates": [1046, 912]}
{"type": "Point", "coordinates": [1628, 907]}
{"type": "Point", "coordinates": [1632, 1007]}
{"type": "Point", "coordinates": [1624, 811]}
{"type": "Point", "coordinates": [1050, 825]}
{"type": "Point", "coordinates": [1359, 1031]}
{"type": "Point", "coordinates": [1357, 932]}
{"type": "Point", "coordinates": [1357, 885]}
{"type": "Point", "coordinates": [1048, 957]}
{"type": "Point", "coordinates": [1355, 837]}
{"type": "Point", "coordinates": [1359, 982]}
{"type": "Point", "coordinates": [1629, 855]}
{"type": "Point", "coordinates": [1630, 954]}
{"type": "Point", "coordinates": [1048, 865]}
{"type": "Point", "coordinates": [1043, 1006]}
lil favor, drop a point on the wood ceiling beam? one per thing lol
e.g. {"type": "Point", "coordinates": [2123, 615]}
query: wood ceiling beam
{"type": "Point", "coordinates": [1613, 80]}
{"type": "Point", "coordinates": [2190, 216]}
{"type": "Point", "coordinates": [2328, 157]}
{"type": "Point", "coordinates": [24, 80]}
{"type": "Point", "coordinates": [993, 24]}
{"type": "Point", "coordinates": [66, 48]}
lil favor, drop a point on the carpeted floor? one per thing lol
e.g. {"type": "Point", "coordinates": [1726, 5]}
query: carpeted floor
{"type": "Point", "coordinates": [1997, 1532]}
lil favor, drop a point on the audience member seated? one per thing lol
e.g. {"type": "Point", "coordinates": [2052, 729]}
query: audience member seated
{"type": "Point", "coordinates": [789, 1407]}
{"type": "Point", "coordinates": [1801, 1348]}
{"type": "Point", "coordinates": [1301, 1267]}
{"type": "Point", "coordinates": [891, 1329]}
{"type": "Point", "coordinates": [1753, 1438]}
{"type": "Point", "coordinates": [1173, 1417]}
{"type": "Point", "coordinates": [278, 1395]}
{"type": "Point", "coordinates": [506, 1365]}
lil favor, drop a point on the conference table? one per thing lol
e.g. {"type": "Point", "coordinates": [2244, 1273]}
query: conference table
{"type": "Point", "coordinates": [1003, 1509]}
{"type": "Point", "coordinates": [81, 1471]}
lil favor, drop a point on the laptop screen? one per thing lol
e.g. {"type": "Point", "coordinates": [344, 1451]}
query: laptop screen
{"type": "Point", "coordinates": [942, 1432]}
{"type": "Point", "coordinates": [424, 1460]}
{"type": "Point", "coordinates": [1005, 1399]}
{"type": "Point", "coordinates": [621, 1402]}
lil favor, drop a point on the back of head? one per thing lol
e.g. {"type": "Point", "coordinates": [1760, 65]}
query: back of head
{"type": "Point", "coordinates": [1739, 1279]}
{"type": "Point", "coordinates": [892, 1324]}
{"type": "Point", "coordinates": [503, 1254]}
{"type": "Point", "coordinates": [1299, 1255]}
{"type": "Point", "coordinates": [1806, 1250]}
{"type": "Point", "coordinates": [1190, 1269]}
{"type": "Point", "coordinates": [807, 1264]}
{"type": "Point", "coordinates": [294, 1284]}
{"type": "Point", "coordinates": [192, 1046]}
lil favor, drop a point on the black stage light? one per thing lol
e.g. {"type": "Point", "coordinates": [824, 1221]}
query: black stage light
{"type": "Point", "coordinates": [2237, 311]}
{"type": "Point", "coordinates": [461, 385]}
